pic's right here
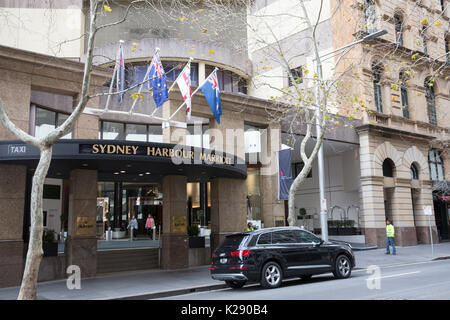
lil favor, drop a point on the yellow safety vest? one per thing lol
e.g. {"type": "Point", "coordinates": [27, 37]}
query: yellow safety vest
{"type": "Point", "coordinates": [390, 232]}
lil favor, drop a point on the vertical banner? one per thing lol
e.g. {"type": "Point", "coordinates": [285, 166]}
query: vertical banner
{"type": "Point", "coordinates": [284, 174]}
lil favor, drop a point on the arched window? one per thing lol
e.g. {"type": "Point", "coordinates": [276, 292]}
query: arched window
{"type": "Point", "coordinates": [388, 168]}
{"type": "Point", "coordinates": [398, 29]}
{"type": "Point", "coordinates": [404, 94]}
{"type": "Point", "coordinates": [370, 16]}
{"type": "Point", "coordinates": [414, 171]}
{"type": "Point", "coordinates": [376, 72]}
{"type": "Point", "coordinates": [431, 101]}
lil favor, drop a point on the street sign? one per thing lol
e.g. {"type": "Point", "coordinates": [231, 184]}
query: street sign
{"type": "Point", "coordinates": [427, 211]}
{"type": "Point", "coordinates": [323, 205]}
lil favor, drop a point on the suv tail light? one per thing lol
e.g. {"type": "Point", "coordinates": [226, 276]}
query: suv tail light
{"type": "Point", "coordinates": [240, 253]}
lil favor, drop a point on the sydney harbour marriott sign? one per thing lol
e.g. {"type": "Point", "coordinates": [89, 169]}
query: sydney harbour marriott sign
{"type": "Point", "coordinates": [178, 153]}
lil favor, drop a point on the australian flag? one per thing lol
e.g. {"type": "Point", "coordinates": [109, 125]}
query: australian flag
{"type": "Point", "coordinates": [212, 94]}
{"type": "Point", "coordinates": [120, 81]}
{"type": "Point", "coordinates": [158, 81]}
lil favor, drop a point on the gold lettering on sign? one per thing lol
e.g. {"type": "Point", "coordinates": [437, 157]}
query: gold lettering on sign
{"type": "Point", "coordinates": [151, 151]}
{"type": "Point", "coordinates": [165, 152]}
{"type": "Point", "coordinates": [135, 148]}
{"type": "Point", "coordinates": [95, 148]}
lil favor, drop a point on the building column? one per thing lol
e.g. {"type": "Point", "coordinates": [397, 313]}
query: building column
{"type": "Point", "coordinates": [12, 202]}
{"type": "Point", "coordinates": [403, 216]}
{"type": "Point", "coordinates": [373, 222]}
{"type": "Point", "coordinates": [81, 244]}
{"type": "Point", "coordinates": [272, 209]}
{"type": "Point", "coordinates": [175, 245]}
{"type": "Point", "coordinates": [175, 240]}
{"type": "Point", "coordinates": [228, 196]}
{"type": "Point", "coordinates": [424, 198]}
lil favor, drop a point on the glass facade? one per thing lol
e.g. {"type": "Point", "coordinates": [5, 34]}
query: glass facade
{"type": "Point", "coordinates": [46, 120]}
{"type": "Point", "coordinates": [130, 132]}
{"type": "Point", "coordinates": [117, 202]}
{"type": "Point", "coordinates": [254, 203]}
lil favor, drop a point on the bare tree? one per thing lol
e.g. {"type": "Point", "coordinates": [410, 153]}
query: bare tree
{"type": "Point", "coordinates": [45, 144]}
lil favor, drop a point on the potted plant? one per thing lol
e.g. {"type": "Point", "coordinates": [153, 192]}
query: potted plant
{"type": "Point", "coordinates": [49, 243]}
{"type": "Point", "coordinates": [194, 240]}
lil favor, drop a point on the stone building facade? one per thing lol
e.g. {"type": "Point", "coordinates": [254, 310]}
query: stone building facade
{"type": "Point", "coordinates": [402, 78]}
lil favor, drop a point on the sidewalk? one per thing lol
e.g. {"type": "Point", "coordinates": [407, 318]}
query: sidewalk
{"type": "Point", "coordinates": [159, 283]}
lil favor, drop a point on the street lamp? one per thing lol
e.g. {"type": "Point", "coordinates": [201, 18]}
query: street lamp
{"type": "Point", "coordinates": [320, 158]}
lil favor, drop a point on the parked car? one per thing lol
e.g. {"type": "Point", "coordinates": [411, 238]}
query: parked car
{"type": "Point", "coordinates": [270, 255]}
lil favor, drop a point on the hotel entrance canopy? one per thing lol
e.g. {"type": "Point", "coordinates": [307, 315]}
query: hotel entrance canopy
{"type": "Point", "coordinates": [128, 160]}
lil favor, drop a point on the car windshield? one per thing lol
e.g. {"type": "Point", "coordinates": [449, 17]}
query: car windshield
{"type": "Point", "coordinates": [233, 241]}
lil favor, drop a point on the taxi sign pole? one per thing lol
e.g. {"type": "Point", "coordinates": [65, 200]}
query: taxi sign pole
{"type": "Point", "coordinates": [428, 212]}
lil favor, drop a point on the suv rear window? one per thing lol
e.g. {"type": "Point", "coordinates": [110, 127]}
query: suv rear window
{"type": "Point", "coordinates": [233, 241]}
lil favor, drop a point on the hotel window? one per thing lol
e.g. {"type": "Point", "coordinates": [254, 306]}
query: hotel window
{"type": "Point", "coordinates": [228, 81]}
{"type": "Point", "coordinates": [130, 132]}
{"type": "Point", "coordinates": [398, 30]}
{"type": "Point", "coordinates": [136, 132]}
{"type": "Point", "coordinates": [388, 168]}
{"type": "Point", "coordinates": [297, 76]}
{"type": "Point", "coordinates": [442, 5]}
{"type": "Point", "coordinates": [414, 172]}
{"type": "Point", "coordinates": [112, 131]}
{"type": "Point", "coordinates": [404, 95]}
{"type": "Point", "coordinates": [436, 165]}
{"type": "Point", "coordinates": [425, 39]}
{"type": "Point", "coordinates": [155, 133]}
{"type": "Point", "coordinates": [297, 168]}
{"type": "Point", "coordinates": [447, 48]}
{"type": "Point", "coordinates": [431, 102]}
{"type": "Point", "coordinates": [376, 72]}
{"type": "Point", "coordinates": [45, 121]}
{"type": "Point", "coordinates": [370, 16]}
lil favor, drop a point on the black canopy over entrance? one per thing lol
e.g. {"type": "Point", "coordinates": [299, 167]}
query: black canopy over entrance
{"type": "Point", "coordinates": [128, 160]}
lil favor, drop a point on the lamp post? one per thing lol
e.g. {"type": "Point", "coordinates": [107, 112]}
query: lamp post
{"type": "Point", "coordinates": [320, 157]}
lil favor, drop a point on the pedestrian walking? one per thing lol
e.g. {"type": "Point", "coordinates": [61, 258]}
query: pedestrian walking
{"type": "Point", "coordinates": [390, 235]}
{"type": "Point", "coordinates": [250, 226]}
{"type": "Point", "coordinates": [134, 226]}
{"type": "Point", "coordinates": [150, 225]}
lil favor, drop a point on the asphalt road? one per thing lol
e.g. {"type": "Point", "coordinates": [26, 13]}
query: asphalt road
{"type": "Point", "coordinates": [417, 281]}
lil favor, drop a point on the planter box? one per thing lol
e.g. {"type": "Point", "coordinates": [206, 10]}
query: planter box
{"type": "Point", "coordinates": [196, 242]}
{"type": "Point", "coordinates": [342, 231]}
{"type": "Point", "coordinates": [50, 249]}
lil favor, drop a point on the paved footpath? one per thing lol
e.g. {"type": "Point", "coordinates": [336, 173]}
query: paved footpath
{"type": "Point", "coordinates": [163, 283]}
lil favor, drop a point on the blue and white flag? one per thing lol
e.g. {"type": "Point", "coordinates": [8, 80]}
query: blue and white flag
{"type": "Point", "coordinates": [211, 91]}
{"type": "Point", "coordinates": [284, 174]}
{"type": "Point", "coordinates": [120, 81]}
{"type": "Point", "coordinates": [158, 81]}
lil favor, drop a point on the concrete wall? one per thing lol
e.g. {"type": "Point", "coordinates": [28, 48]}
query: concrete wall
{"type": "Point", "coordinates": [42, 26]}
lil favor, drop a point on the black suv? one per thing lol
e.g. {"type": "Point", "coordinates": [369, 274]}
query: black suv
{"type": "Point", "coordinates": [270, 255]}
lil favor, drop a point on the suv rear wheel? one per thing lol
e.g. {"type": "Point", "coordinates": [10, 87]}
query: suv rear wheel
{"type": "Point", "coordinates": [235, 284]}
{"type": "Point", "coordinates": [342, 268]}
{"type": "Point", "coordinates": [271, 275]}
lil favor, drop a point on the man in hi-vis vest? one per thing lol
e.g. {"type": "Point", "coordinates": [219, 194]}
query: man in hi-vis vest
{"type": "Point", "coordinates": [390, 234]}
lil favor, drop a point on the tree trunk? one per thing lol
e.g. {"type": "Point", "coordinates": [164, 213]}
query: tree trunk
{"type": "Point", "coordinates": [35, 253]}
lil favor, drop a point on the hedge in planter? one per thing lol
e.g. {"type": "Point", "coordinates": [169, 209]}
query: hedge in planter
{"type": "Point", "coordinates": [194, 240]}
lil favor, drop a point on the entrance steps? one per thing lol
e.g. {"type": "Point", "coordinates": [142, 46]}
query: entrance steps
{"type": "Point", "coordinates": [119, 260]}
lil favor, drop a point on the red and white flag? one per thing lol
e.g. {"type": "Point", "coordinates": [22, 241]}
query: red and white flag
{"type": "Point", "coordinates": [184, 83]}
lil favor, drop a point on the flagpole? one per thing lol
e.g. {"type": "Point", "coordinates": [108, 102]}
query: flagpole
{"type": "Point", "coordinates": [173, 84]}
{"type": "Point", "coordinates": [113, 76]}
{"type": "Point", "coordinates": [145, 78]}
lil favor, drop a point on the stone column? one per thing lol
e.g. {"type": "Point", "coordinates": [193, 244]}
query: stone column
{"type": "Point", "coordinates": [12, 202]}
{"type": "Point", "coordinates": [424, 197]}
{"type": "Point", "coordinates": [372, 211]}
{"type": "Point", "coordinates": [272, 208]}
{"type": "Point", "coordinates": [15, 91]}
{"type": "Point", "coordinates": [403, 216]}
{"type": "Point", "coordinates": [81, 244]}
{"type": "Point", "coordinates": [175, 245]}
{"type": "Point", "coordinates": [228, 196]}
